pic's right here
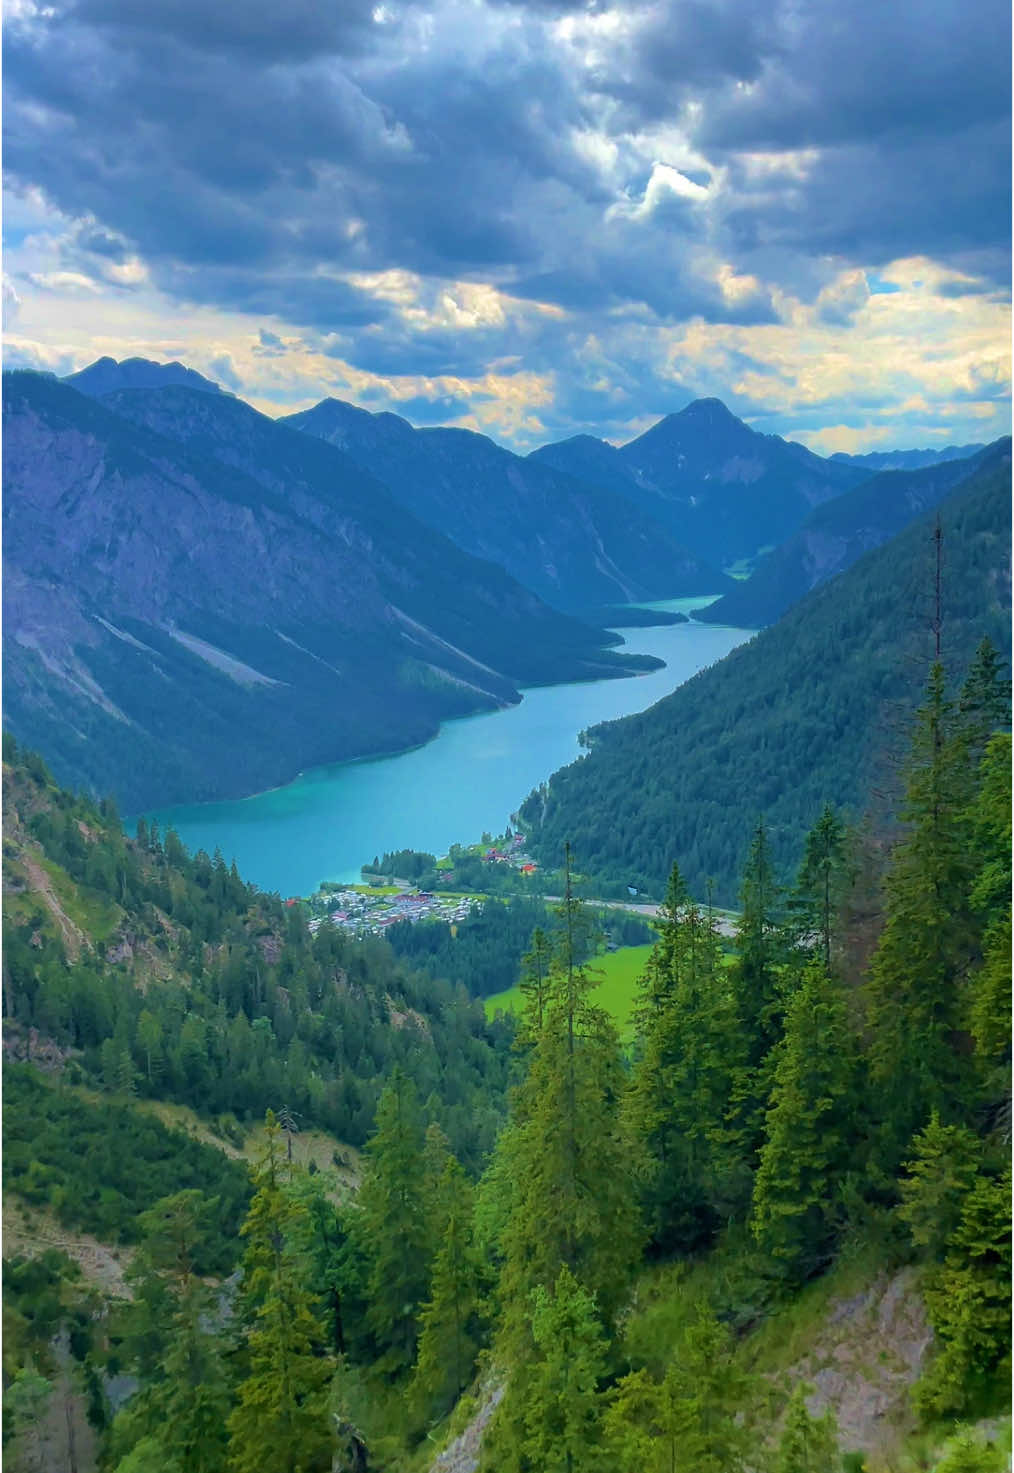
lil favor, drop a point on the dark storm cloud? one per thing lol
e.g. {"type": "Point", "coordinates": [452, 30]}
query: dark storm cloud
{"type": "Point", "coordinates": [259, 30]}
{"type": "Point", "coordinates": [243, 148]}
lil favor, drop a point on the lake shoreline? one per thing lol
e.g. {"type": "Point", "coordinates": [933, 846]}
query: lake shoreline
{"type": "Point", "coordinates": [465, 779]}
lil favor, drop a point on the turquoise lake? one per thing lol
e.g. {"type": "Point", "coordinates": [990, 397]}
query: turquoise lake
{"type": "Point", "coordinates": [467, 780]}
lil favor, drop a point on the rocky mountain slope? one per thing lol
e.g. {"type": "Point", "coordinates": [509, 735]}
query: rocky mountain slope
{"type": "Point", "coordinates": [576, 544]}
{"type": "Point", "coordinates": [723, 489]}
{"type": "Point", "coordinates": [837, 533]}
{"type": "Point", "coordinates": [204, 615]}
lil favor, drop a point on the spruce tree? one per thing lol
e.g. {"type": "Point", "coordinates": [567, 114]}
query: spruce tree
{"type": "Point", "coordinates": [536, 966]}
{"type": "Point", "coordinates": [562, 1409]}
{"type": "Point", "coordinates": [688, 1047]}
{"type": "Point", "coordinates": [759, 950]}
{"type": "Point", "coordinates": [814, 902]}
{"type": "Point", "coordinates": [988, 1003]}
{"type": "Point", "coordinates": [448, 1322]}
{"type": "Point", "coordinates": [984, 704]}
{"type": "Point", "coordinates": [173, 1342]}
{"type": "Point", "coordinates": [810, 1129]}
{"type": "Point", "coordinates": [390, 1228]}
{"type": "Point", "coordinates": [914, 1000]}
{"type": "Point", "coordinates": [807, 1444]}
{"type": "Point", "coordinates": [968, 1298]}
{"type": "Point", "coordinates": [280, 1420]}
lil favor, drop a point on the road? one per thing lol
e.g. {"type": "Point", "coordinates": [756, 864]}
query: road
{"type": "Point", "coordinates": [723, 924]}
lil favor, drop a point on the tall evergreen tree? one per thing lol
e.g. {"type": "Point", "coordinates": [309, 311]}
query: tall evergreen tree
{"type": "Point", "coordinates": [759, 950]}
{"type": "Point", "coordinates": [562, 1411]}
{"type": "Point", "coordinates": [913, 994]}
{"type": "Point", "coordinates": [536, 966]}
{"type": "Point", "coordinates": [390, 1226]}
{"type": "Point", "coordinates": [280, 1419]}
{"type": "Point", "coordinates": [691, 1419]}
{"type": "Point", "coordinates": [815, 901]}
{"type": "Point", "coordinates": [988, 1007]}
{"type": "Point", "coordinates": [807, 1444]}
{"type": "Point", "coordinates": [449, 1327]}
{"type": "Point", "coordinates": [688, 1044]}
{"type": "Point", "coordinates": [810, 1129]}
{"type": "Point", "coordinates": [984, 705]}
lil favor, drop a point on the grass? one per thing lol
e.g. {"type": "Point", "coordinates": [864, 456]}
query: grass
{"type": "Point", "coordinates": [616, 991]}
{"type": "Point", "coordinates": [97, 917]}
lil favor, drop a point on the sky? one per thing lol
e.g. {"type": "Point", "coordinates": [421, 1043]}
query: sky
{"type": "Point", "coordinates": [532, 219]}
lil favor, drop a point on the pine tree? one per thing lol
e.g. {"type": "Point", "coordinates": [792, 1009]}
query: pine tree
{"type": "Point", "coordinates": [810, 1127]}
{"type": "Point", "coordinates": [562, 1409]}
{"type": "Point", "coordinates": [280, 1420]}
{"type": "Point", "coordinates": [815, 901]}
{"type": "Point", "coordinates": [688, 1044]}
{"type": "Point", "coordinates": [643, 1423]}
{"type": "Point", "coordinates": [196, 1400]}
{"type": "Point", "coordinates": [448, 1322]}
{"type": "Point", "coordinates": [183, 1409]}
{"type": "Point", "coordinates": [985, 699]}
{"type": "Point", "coordinates": [913, 994]}
{"type": "Point", "coordinates": [988, 1005]}
{"type": "Point", "coordinates": [807, 1444]}
{"type": "Point", "coordinates": [566, 1165]}
{"type": "Point", "coordinates": [759, 950]}
{"type": "Point", "coordinates": [390, 1227]}
{"type": "Point", "coordinates": [945, 1163]}
{"type": "Point", "coordinates": [968, 1299]}
{"type": "Point", "coordinates": [536, 965]}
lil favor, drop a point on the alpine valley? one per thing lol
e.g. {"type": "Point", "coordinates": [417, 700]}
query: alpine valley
{"type": "Point", "coordinates": [667, 1131]}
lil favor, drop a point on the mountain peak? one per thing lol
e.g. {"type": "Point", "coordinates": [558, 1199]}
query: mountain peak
{"type": "Point", "coordinates": [708, 410]}
{"type": "Point", "coordinates": [105, 376]}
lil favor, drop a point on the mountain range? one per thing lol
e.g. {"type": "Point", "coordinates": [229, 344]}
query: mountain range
{"type": "Point", "coordinates": [199, 602]}
{"type": "Point", "coordinates": [574, 543]}
{"type": "Point", "coordinates": [907, 460]}
{"type": "Point", "coordinates": [727, 491]}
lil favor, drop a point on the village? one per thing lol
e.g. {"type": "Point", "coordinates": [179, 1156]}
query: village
{"type": "Point", "coordinates": [367, 912]}
{"type": "Point", "coordinates": [383, 900]}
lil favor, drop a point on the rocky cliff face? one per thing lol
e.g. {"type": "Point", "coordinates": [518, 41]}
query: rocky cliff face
{"type": "Point", "coordinates": [204, 613]}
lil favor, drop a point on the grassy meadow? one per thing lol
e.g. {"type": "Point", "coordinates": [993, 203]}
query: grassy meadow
{"type": "Point", "coordinates": [618, 973]}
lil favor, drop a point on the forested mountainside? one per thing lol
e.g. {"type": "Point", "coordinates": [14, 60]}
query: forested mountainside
{"type": "Point", "coordinates": [812, 709]}
{"type": "Point", "coordinates": [575, 544]}
{"type": "Point", "coordinates": [199, 603]}
{"type": "Point", "coordinates": [837, 533]}
{"type": "Point", "coordinates": [723, 489]}
{"type": "Point", "coordinates": [167, 973]}
{"type": "Point", "coordinates": [627, 1283]}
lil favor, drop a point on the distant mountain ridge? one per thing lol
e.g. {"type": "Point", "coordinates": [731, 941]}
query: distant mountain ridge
{"type": "Point", "coordinates": [907, 460]}
{"type": "Point", "coordinates": [837, 533]}
{"type": "Point", "coordinates": [576, 544]}
{"type": "Point", "coordinates": [725, 490]}
{"type": "Point", "coordinates": [200, 602]}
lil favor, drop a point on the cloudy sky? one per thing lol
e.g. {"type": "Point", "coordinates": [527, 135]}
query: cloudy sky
{"type": "Point", "coordinates": [530, 218]}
